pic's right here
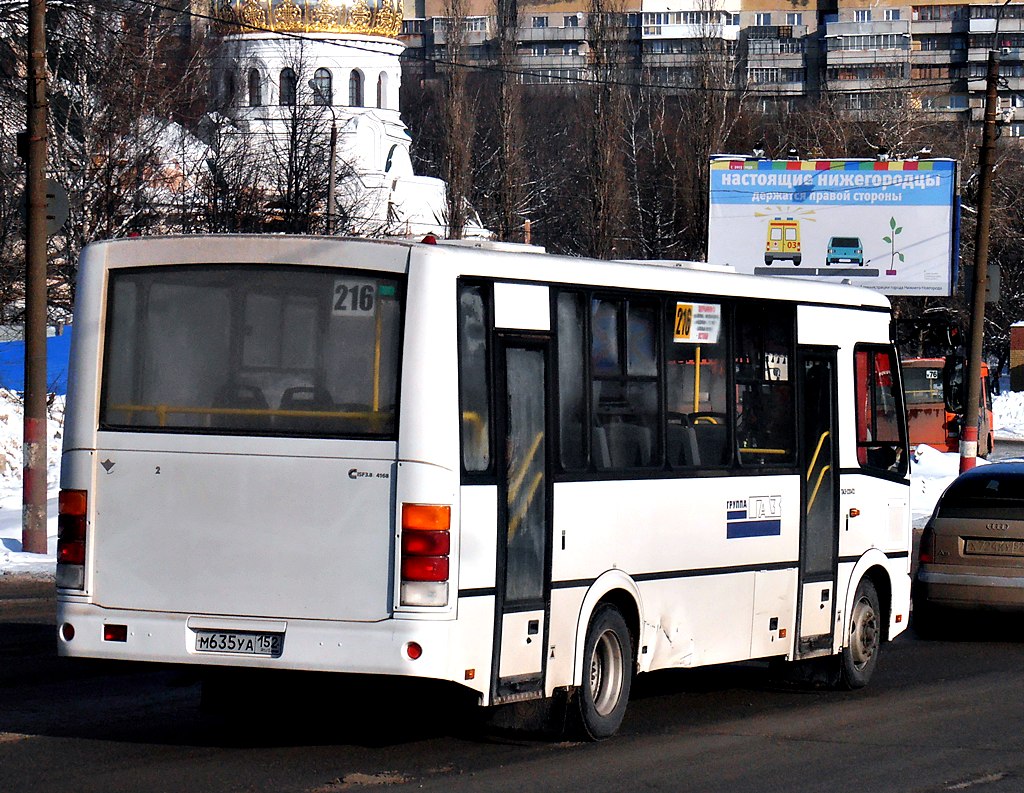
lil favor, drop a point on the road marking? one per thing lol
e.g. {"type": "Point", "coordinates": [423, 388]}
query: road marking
{"type": "Point", "coordinates": [988, 779]}
{"type": "Point", "coordinates": [350, 781]}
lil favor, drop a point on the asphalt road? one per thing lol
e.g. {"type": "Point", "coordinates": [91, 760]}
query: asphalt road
{"type": "Point", "coordinates": [938, 716]}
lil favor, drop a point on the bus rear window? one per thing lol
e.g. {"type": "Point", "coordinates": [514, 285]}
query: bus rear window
{"type": "Point", "coordinates": [252, 350]}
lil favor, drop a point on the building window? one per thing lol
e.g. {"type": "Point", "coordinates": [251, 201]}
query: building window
{"type": "Point", "coordinates": [255, 88]}
{"type": "Point", "coordinates": [762, 19]}
{"type": "Point", "coordinates": [570, 49]}
{"type": "Point", "coordinates": [862, 15]}
{"type": "Point", "coordinates": [382, 90]}
{"type": "Point", "coordinates": [539, 50]}
{"type": "Point", "coordinates": [571, 21]}
{"type": "Point", "coordinates": [323, 91]}
{"type": "Point", "coordinates": [287, 87]}
{"type": "Point", "coordinates": [891, 14]}
{"type": "Point", "coordinates": [794, 18]}
{"type": "Point", "coordinates": [732, 19]}
{"type": "Point", "coordinates": [540, 22]}
{"type": "Point", "coordinates": [355, 89]}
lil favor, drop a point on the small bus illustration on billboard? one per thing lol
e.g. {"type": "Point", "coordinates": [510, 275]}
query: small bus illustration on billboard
{"type": "Point", "coordinates": [783, 241]}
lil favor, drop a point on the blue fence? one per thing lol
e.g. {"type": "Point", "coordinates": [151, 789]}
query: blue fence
{"type": "Point", "coordinates": [12, 363]}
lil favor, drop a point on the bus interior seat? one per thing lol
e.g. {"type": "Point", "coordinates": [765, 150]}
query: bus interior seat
{"type": "Point", "coordinates": [629, 444]}
{"type": "Point", "coordinates": [682, 446]}
{"type": "Point", "coordinates": [600, 453]}
{"type": "Point", "coordinates": [305, 398]}
{"type": "Point", "coordinates": [240, 396]}
{"type": "Point", "coordinates": [712, 442]}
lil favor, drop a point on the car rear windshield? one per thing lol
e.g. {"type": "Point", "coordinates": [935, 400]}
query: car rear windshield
{"type": "Point", "coordinates": [845, 242]}
{"type": "Point", "coordinates": [999, 494]}
{"type": "Point", "coordinates": [252, 350]}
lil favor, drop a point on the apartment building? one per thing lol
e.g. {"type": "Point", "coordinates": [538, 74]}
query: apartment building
{"type": "Point", "coordinates": [928, 56]}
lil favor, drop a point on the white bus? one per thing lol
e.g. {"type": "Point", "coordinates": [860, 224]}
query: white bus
{"type": "Point", "coordinates": [529, 475]}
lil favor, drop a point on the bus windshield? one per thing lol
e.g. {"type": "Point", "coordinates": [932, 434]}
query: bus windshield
{"type": "Point", "coordinates": [264, 350]}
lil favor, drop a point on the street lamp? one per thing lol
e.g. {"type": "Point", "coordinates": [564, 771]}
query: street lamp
{"type": "Point", "coordinates": [326, 100]}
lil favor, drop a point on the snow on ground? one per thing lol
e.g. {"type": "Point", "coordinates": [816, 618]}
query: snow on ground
{"type": "Point", "coordinates": [931, 471]}
{"type": "Point", "coordinates": [1008, 415]}
{"type": "Point", "coordinates": [12, 560]}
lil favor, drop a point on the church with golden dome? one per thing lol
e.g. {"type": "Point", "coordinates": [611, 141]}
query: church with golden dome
{"type": "Point", "coordinates": [330, 63]}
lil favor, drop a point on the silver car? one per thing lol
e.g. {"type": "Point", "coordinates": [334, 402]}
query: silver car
{"type": "Point", "coordinates": [972, 550]}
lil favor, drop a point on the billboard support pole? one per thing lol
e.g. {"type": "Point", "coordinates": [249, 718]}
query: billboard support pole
{"type": "Point", "coordinates": [969, 430]}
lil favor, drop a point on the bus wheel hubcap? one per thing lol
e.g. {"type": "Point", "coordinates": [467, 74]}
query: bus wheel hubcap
{"type": "Point", "coordinates": [606, 670]}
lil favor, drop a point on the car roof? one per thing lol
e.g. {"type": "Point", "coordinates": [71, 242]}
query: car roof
{"type": "Point", "coordinates": [996, 480]}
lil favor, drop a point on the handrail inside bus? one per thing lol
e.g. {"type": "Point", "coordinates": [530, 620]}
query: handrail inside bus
{"type": "Point", "coordinates": [163, 411]}
{"type": "Point", "coordinates": [817, 487]}
{"type": "Point", "coordinates": [814, 457]}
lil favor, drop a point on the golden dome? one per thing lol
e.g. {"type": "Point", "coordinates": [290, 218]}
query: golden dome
{"type": "Point", "coordinates": [382, 18]}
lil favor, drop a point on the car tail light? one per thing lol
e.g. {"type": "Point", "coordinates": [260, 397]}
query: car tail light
{"type": "Point", "coordinates": [71, 536]}
{"type": "Point", "coordinates": [926, 551]}
{"type": "Point", "coordinates": [426, 544]}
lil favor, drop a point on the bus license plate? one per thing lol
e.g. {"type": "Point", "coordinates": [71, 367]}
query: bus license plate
{"type": "Point", "coordinates": [268, 644]}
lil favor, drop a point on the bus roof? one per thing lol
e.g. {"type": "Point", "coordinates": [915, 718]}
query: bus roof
{"type": "Point", "coordinates": [522, 263]}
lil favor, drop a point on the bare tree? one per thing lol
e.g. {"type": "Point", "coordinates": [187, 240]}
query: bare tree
{"type": "Point", "coordinates": [457, 116]}
{"type": "Point", "coordinates": [509, 190]}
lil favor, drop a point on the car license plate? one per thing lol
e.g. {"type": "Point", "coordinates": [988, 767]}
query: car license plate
{"type": "Point", "coordinates": [994, 547]}
{"type": "Point", "coordinates": [240, 643]}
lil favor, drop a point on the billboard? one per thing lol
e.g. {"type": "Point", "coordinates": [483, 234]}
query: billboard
{"type": "Point", "coordinates": [886, 225]}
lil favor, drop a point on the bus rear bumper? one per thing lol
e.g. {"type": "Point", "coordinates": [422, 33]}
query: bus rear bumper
{"type": "Point", "coordinates": [387, 647]}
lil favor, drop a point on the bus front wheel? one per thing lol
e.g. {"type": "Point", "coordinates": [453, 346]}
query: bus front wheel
{"type": "Point", "coordinates": [860, 655]}
{"type": "Point", "coordinates": [607, 675]}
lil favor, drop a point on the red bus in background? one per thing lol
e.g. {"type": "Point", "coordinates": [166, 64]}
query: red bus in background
{"type": "Point", "coordinates": [935, 396]}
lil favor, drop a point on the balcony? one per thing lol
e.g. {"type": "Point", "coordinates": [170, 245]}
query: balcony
{"type": "Point", "coordinates": [928, 57]}
{"type": "Point", "coordinates": [533, 35]}
{"type": "Point", "coordinates": [939, 26]}
{"type": "Point", "coordinates": [724, 32]}
{"type": "Point", "coordinates": [879, 28]}
{"type": "Point", "coordinates": [1006, 25]}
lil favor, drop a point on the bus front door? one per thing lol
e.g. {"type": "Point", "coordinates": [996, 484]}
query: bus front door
{"type": "Point", "coordinates": [523, 574]}
{"type": "Point", "coordinates": [819, 537]}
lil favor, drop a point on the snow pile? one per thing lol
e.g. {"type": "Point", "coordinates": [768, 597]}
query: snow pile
{"type": "Point", "coordinates": [930, 472]}
{"type": "Point", "coordinates": [12, 559]}
{"type": "Point", "coordinates": [1008, 415]}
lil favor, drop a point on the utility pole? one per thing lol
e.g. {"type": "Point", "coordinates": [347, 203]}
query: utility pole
{"type": "Point", "coordinates": [969, 431]}
{"type": "Point", "coordinates": [33, 528]}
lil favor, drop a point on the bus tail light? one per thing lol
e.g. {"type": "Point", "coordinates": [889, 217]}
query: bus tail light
{"type": "Point", "coordinates": [426, 544]}
{"type": "Point", "coordinates": [71, 534]}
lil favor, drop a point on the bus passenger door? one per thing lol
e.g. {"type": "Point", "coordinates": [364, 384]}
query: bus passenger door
{"type": "Point", "coordinates": [523, 574]}
{"type": "Point", "coordinates": [819, 530]}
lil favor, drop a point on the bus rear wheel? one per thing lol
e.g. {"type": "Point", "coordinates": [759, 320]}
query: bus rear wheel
{"type": "Point", "coordinates": [860, 655]}
{"type": "Point", "coordinates": [607, 675]}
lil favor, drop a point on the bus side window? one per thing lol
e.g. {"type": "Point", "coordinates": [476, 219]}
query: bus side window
{"type": "Point", "coordinates": [572, 398]}
{"type": "Point", "coordinates": [880, 430]}
{"type": "Point", "coordinates": [624, 382]}
{"type": "Point", "coordinates": [696, 389]}
{"type": "Point", "coordinates": [765, 407]}
{"type": "Point", "coordinates": [474, 392]}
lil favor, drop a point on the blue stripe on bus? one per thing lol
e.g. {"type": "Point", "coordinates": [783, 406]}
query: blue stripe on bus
{"type": "Point", "coordinates": [754, 528]}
